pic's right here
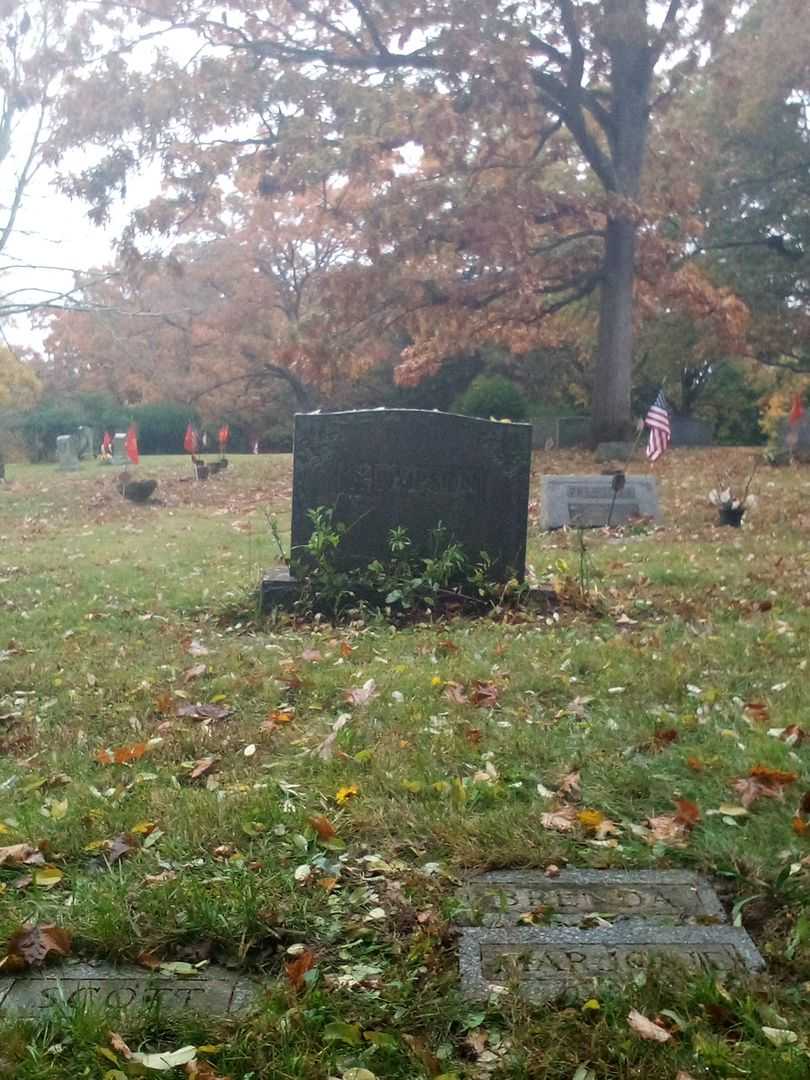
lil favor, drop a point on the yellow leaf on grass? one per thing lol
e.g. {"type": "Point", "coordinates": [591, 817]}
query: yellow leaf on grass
{"type": "Point", "coordinates": [590, 819]}
{"type": "Point", "coordinates": [345, 793]}
{"type": "Point", "coordinates": [47, 877]}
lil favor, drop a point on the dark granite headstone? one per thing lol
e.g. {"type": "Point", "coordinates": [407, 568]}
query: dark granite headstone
{"type": "Point", "coordinates": [505, 897]}
{"type": "Point", "coordinates": [573, 431]}
{"type": "Point", "coordinates": [212, 991]}
{"type": "Point", "coordinates": [543, 963]}
{"type": "Point", "coordinates": [385, 468]}
{"type": "Point", "coordinates": [687, 431]}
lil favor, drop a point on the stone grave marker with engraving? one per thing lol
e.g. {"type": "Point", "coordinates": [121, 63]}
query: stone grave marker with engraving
{"type": "Point", "coordinates": [120, 456]}
{"type": "Point", "coordinates": [585, 501]}
{"type": "Point", "coordinates": [212, 990]}
{"type": "Point", "coordinates": [66, 453]}
{"type": "Point", "coordinates": [385, 468]}
{"type": "Point", "coordinates": [542, 963]}
{"type": "Point", "coordinates": [502, 897]}
{"type": "Point", "coordinates": [650, 915]}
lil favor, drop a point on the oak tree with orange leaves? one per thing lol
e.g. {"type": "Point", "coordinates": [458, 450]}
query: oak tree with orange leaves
{"type": "Point", "coordinates": [517, 157]}
{"type": "Point", "coordinates": [272, 291]}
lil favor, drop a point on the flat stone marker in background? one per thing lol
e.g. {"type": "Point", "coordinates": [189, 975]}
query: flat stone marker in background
{"type": "Point", "coordinates": [66, 453]}
{"type": "Point", "coordinates": [120, 456]}
{"type": "Point", "coordinates": [212, 991]}
{"type": "Point", "coordinates": [542, 963]}
{"type": "Point", "coordinates": [501, 897]}
{"type": "Point", "coordinates": [584, 501]}
{"type": "Point", "coordinates": [385, 468]}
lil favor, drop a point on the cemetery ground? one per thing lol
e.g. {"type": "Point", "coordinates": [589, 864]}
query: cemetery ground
{"type": "Point", "coordinates": [310, 823]}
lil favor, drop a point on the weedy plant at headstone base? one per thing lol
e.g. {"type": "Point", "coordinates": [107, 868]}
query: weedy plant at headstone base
{"type": "Point", "coordinates": [401, 585]}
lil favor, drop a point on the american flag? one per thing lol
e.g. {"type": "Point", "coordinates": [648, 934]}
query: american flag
{"type": "Point", "coordinates": [657, 420]}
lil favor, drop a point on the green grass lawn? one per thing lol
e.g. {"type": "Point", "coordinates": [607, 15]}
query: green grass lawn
{"type": "Point", "coordinates": [113, 616]}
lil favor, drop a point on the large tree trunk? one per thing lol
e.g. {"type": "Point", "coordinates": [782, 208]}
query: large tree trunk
{"type": "Point", "coordinates": [610, 416]}
{"type": "Point", "coordinates": [632, 63]}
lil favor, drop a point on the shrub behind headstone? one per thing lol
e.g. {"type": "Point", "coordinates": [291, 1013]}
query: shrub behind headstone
{"type": "Point", "coordinates": [492, 395]}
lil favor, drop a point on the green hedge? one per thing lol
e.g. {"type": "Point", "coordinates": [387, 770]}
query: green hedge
{"type": "Point", "coordinates": [492, 395]}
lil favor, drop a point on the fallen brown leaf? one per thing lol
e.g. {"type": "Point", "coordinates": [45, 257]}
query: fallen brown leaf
{"type": "Point", "coordinates": [674, 828]}
{"type": "Point", "coordinates": [569, 786]}
{"type": "Point", "coordinates": [662, 739]}
{"type": "Point", "coordinates": [647, 1029]}
{"type": "Point", "coordinates": [204, 712]}
{"type": "Point", "coordinates": [192, 673]}
{"type": "Point", "coordinates": [484, 695]}
{"type": "Point", "coordinates": [361, 695]}
{"type": "Point", "coordinates": [763, 783]}
{"type": "Point", "coordinates": [456, 693]}
{"type": "Point", "coordinates": [561, 820]}
{"type": "Point", "coordinates": [688, 813]}
{"type": "Point", "coordinates": [297, 969]}
{"type": "Point", "coordinates": [419, 1050]}
{"type": "Point", "coordinates": [323, 827]}
{"type": "Point", "coordinates": [758, 711]}
{"type": "Point", "coordinates": [21, 855]}
{"type": "Point", "coordinates": [123, 755]}
{"type": "Point", "coordinates": [161, 878]}
{"type": "Point", "coordinates": [118, 1044]}
{"type": "Point", "coordinates": [122, 845]}
{"type": "Point", "coordinates": [35, 944]}
{"type": "Point", "coordinates": [202, 767]}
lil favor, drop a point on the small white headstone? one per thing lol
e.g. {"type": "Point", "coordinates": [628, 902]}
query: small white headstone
{"type": "Point", "coordinates": [120, 456]}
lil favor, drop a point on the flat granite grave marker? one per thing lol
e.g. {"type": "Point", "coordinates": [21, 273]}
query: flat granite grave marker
{"type": "Point", "coordinates": [66, 453]}
{"type": "Point", "coordinates": [500, 898]}
{"type": "Point", "coordinates": [213, 991]}
{"type": "Point", "coordinates": [585, 501]}
{"type": "Point", "coordinates": [543, 963]}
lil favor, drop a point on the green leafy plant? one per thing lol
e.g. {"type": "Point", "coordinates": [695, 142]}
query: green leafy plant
{"type": "Point", "coordinates": [404, 583]}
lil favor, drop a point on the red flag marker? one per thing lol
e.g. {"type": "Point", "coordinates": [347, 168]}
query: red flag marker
{"type": "Point", "coordinates": [132, 445]}
{"type": "Point", "coordinates": [190, 441]}
{"type": "Point", "coordinates": [797, 412]}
